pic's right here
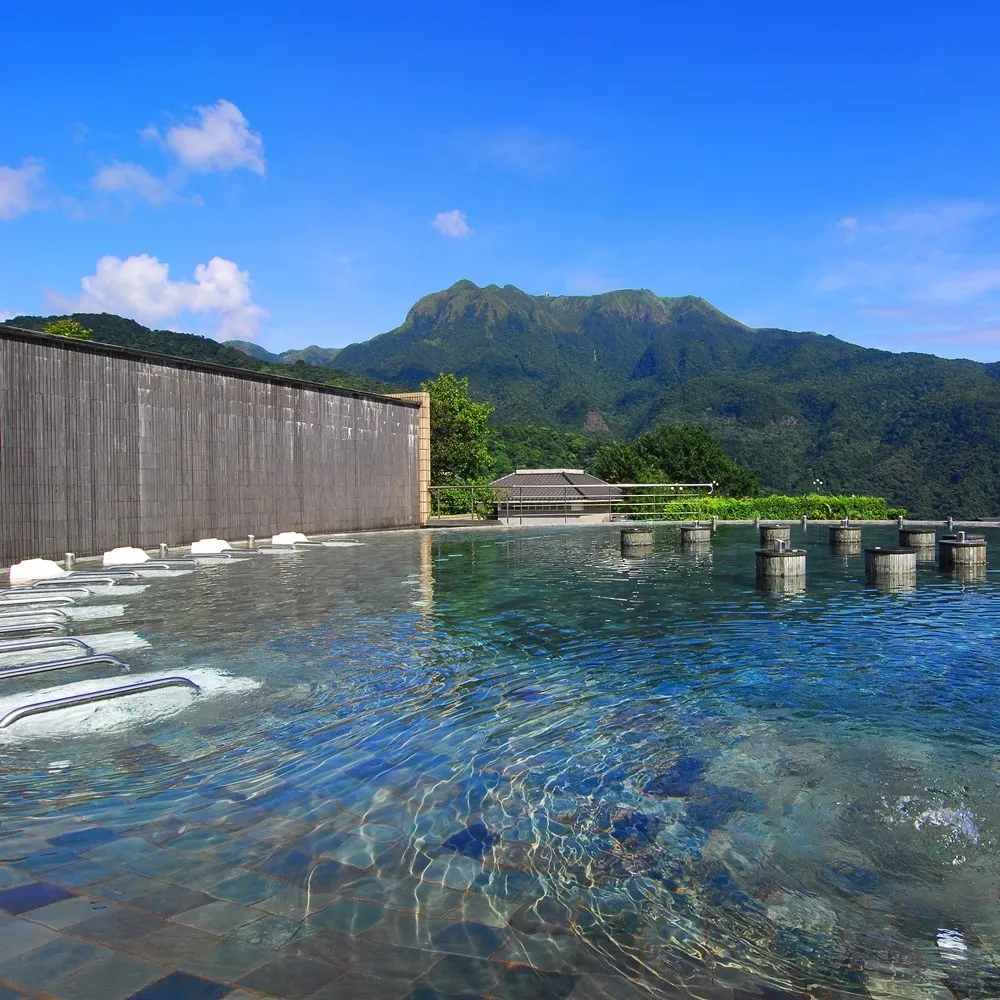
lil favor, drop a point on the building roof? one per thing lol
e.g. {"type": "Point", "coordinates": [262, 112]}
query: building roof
{"type": "Point", "coordinates": [530, 485]}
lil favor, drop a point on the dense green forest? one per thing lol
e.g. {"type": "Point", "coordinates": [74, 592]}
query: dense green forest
{"type": "Point", "coordinates": [793, 407]}
{"type": "Point", "coordinates": [109, 329]}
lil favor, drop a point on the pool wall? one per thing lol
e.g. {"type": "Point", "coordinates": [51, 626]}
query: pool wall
{"type": "Point", "coordinates": [102, 446]}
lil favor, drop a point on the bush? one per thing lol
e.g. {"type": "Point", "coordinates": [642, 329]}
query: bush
{"type": "Point", "coordinates": [779, 508]}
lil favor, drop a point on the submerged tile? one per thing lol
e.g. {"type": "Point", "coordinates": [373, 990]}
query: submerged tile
{"type": "Point", "coordinates": [217, 917]}
{"type": "Point", "coordinates": [347, 916]}
{"type": "Point", "coordinates": [43, 966]}
{"type": "Point", "coordinates": [247, 888]}
{"type": "Point", "coordinates": [171, 944]}
{"type": "Point", "coordinates": [458, 974]}
{"type": "Point", "coordinates": [182, 986]}
{"type": "Point", "coordinates": [116, 977]}
{"type": "Point", "coordinates": [271, 932]}
{"type": "Point", "coordinates": [294, 978]}
{"type": "Point", "coordinates": [229, 961]}
{"type": "Point", "coordinates": [70, 911]}
{"type": "Point", "coordinates": [170, 899]}
{"type": "Point", "coordinates": [33, 896]}
{"type": "Point", "coordinates": [118, 926]}
{"type": "Point", "coordinates": [18, 936]}
{"type": "Point", "coordinates": [476, 940]}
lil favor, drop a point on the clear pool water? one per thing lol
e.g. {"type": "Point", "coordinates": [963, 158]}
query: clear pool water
{"type": "Point", "coordinates": [516, 750]}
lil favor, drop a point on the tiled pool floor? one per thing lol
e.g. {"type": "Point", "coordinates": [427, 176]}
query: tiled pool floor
{"type": "Point", "coordinates": [91, 914]}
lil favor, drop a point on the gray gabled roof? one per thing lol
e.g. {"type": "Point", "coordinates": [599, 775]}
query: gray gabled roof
{"type": "Point", "coordinates": [566, 484]}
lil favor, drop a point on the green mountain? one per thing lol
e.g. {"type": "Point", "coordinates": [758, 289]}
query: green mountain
{"type": "Point", "coordinates": [109, 329]}
{"type": "Point", "coordinates": [322, 357]}
{"type": "Point", "coordinates": [795, 407]}
{"type": "Point", "coordinates": [254, 350]}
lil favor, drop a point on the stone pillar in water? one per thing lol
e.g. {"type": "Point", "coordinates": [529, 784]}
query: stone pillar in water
{"type": "Point", "coordinates": [961, 549]}
{"type": "Point", "coordinates": [695, 535]}
{"type": "Point", "coordinates": [773, 533]}
{"type": "Point", "coordinates": [891, 569]}
{"type": "Point", "coordinates": [637, 542]}
{"type": "Point", "coordinates": [781, 569]}
{"type": "Point", "coordinates": [845, 537]}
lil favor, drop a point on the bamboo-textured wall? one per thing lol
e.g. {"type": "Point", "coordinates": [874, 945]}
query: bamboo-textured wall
{"type": "Point", "coordinates": [102, 447]}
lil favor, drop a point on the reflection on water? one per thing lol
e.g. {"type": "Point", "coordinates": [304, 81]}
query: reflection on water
{"type": "Point", "coordinates": [646, 769]}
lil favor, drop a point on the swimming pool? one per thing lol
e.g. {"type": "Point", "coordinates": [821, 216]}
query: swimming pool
{"type": "Point", "coordinates": [511, 763]}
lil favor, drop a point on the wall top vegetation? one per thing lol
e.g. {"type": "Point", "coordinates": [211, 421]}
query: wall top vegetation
{"type": "Point", "coordinates": [169, 361]}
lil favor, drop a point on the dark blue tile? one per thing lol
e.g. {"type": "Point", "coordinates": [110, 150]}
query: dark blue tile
{"type": "Point", "coordinates": [289, 866]}
{"type": "Point", "coordinates": [23, 898]}
{"type": "Point", "coordinates": [181, 986]}
{"type": "Point", "coordinates": [81, 840]}
{"type": "Point", "coordinates": [473, 841]}
{"type": "Point", "coordinates": [678, 779]}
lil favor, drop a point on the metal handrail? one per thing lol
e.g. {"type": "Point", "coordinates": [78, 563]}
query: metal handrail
{"type": "Point", "coordinates": [101, 574]}
{"type": "Point", "coordinates": [108, 578]}
{"type": "Point", "coordinates": [71, 701]}
{"type": "Point", "coordinates": [64, 590]}
{"type": "Point", "coordinates": [8, 599]}
{"type": "Point", "coordinates": [16, 645]}
{"type": "Point", "coordinates": [37, 614]}
{"type": "Point", "coordinates": [55, 627]}
{"type": "Point", "coordinates": [75, 661]}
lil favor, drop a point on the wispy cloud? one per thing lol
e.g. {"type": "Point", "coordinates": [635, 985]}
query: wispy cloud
{"type": "Point", "coordinates": [132, 179]}
{"type": "Point", "coordinates": [923, 274]}
{"type": "Point", "coordinates": [21, 188]}
{"type": "Point", "coordinates": [454, 224]}
{"type": "Point", "coordinates": [524, 150]}
{"type": "Point", "coordinates": [217, 139]}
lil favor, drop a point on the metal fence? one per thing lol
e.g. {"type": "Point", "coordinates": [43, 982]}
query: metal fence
{"type": "Point", "coordinates": [610, 501]}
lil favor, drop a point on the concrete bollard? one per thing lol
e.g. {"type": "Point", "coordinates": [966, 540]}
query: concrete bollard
{"type": "Point", "coordinates": [961, 549]}
{"type": "Point", "coordinates": [756, 521]}
{"type": "Point", "coordinates": [637, 542]}
{"type": "Point", "coordinates": [69, 560]}
{"type": "Point", "coordinates": [893, 568]}
{"type": "Point", "coordinates": [695, 535]}
{"type": "Point", "coordinates": [805, 521]}
{"type": "Point", "coordinates": [779, 564]}
{"type": "Point", "coordinates": [845, 537]}
{"type": "Point", "coordinates": [772, 533]}
{"type": "Point", "coordinates": [899, 523]}
{"type": "Point", "coordinates": [951, 523]}
{"type": "Point", "coordinates": [164, 548]}
{"type": "Point", "coordinates": [715, 522]}
{"type": "Point", "coordinates": [251, 541]}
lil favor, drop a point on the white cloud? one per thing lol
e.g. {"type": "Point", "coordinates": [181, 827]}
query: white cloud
{"type": "Point", "coordinates": [219, 140]}
{"type": "Point", "coordinates": [19, 188]}
{"type": "Point", "coordinates": [130, 178]}
{"type": "Point", "coordinates": [141, 286]}
{"type": "Point", "coordinates": [454, 224]}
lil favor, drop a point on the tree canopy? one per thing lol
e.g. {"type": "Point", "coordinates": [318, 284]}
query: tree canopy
{"type": "Point", "coordinates": [69, 328]}
{"type": "Point", "coordinates": [677, 454]}
{"type": "Point", "coordinates": [459, 452]}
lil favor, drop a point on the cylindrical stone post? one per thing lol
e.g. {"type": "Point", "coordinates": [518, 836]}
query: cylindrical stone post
{"type": "Point", "coordinates": [715, 522]}
{"type": "Point", "coordinates": [899, 522]}
{"type": "Point", "coordinates": [69, 560]}
{"type": "Point", "coordinates": [695, 535]}
{"type": "Point", "coordinates": [845, 537]}
{"type": "Point", "coordinates": [251, 541]}
{"type": "Point", "coordinates": [891, 566]}
{"type": "Point", "coordinates": [637, 542]}
{"type": "Point", "coordinates": [805, 521]}
{"type": "Point", "coordinates": [780, 565]}
{"type": "Point", "coordinates": [770, 534]}
{"type": "Point", "coordinates": [917, 538]}
{"type": "Point", "coordinates": [961, 549]}
{"type": "Point", "coordinates": [951, 523]}
{"type": "Point", "coordinates": [163, 550]}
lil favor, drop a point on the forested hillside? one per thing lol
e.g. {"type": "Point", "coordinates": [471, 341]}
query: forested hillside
{"type": "Point", "coordinates": [794, 407]}
{"type": "Point", "coordinates": [109, 329]}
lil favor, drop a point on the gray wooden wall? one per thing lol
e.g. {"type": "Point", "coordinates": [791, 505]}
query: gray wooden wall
{"type": "Point", "coordinates": [101, 447]}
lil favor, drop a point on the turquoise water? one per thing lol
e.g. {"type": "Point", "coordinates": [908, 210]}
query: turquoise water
{"type": "Point", "coordinates": [603, 769]}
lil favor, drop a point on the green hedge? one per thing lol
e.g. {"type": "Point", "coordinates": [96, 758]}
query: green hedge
{"type": "Point", "coordinates": [778, 508]}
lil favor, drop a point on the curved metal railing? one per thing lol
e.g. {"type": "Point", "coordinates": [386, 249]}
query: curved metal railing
{"type": "Point", "coordinates": [102, 578]}
{"type": "Point", "coordinates": [73, 700]}
{"type": "Point", "coordinates": [54, 628]}
{"type": "Point", "coordinates": [34, 614]}
{"type": "Point", "coordinates": [9, 599]}
{"type": "Point", "coordinates": [47, 666]}
{"type": "Point", "coordinates": [24, 645]}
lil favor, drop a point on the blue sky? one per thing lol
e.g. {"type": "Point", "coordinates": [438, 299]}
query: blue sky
{"type": "Point", "coordinates": [301, 174]}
